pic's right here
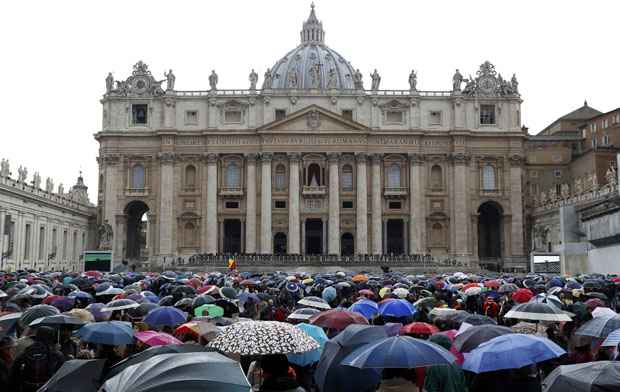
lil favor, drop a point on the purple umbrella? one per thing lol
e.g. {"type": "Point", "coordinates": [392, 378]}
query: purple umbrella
{"type": "Point", "coordinates": [165, 316]}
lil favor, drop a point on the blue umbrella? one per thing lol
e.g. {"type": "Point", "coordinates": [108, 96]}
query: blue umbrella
{"type": "Point", "coordinates": [80, 295]}
{"type": "Point", "coordinates": [366, 308]}
{"type": "Point", "coordinates": [165, 316]}
{"type": "Point", "coordinates": [397, 308]}
{"type": "Point", "coordinates": [511, 351]}
{"type": "Point", "coordinates": [329, 294]}
{"type": "Point", "coordinates": [613, 339]}
{"type": "Point", "coordinates": [313, 356]}
{"type": "Point", "coordinates": [399, 352]}
{"type": "Point", "coordinates": [107, 332]}
{"type": "Point", "coordinates": [248, 297]}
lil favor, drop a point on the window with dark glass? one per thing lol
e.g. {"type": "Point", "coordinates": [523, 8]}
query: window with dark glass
{"type": "Point", "coordinates": [348, 114]}
{"type": "Point", "coordinates": [280, 114]}
{"type": "Point", "coordinates": [394, 205]}
{"type": "Point", "coordinates": [231, 204]}
{"type": "Point", "coordinates": [487, 114]}
{"type": "Point", "coordinates": [347, 204]}
{"type": "Point", "coordinates": [138, 114]}
{"type": "Point", "coordinates": [280, 204]}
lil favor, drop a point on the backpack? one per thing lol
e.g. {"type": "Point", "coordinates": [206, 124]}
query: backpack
{"type": "Point", "coordinates": [38, 364]}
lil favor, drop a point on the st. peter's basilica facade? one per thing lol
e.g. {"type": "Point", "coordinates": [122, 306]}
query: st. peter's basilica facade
{"type": "Point", "coordinates": [311, 161]}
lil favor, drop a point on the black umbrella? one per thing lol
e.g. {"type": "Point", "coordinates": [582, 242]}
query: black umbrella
{"type": "Point", "coordinates": [36, 312]}
{"type": "Point", "coordinates": [200, 300]}
{"type": "Point", "coordinates": [600, 376]}
{"type": "Point", "coordinates": [142, 310]}
{"type": "Point", "coordinates": [473, 337]}
{"type": "Point", "coordinates": [76, 375]}
{"type": "Point", "coordinates": [229, 307]}
{"type": "Point", "coordinates": [8, 323]}
{"type": "Point", "coordinates": [477, 319]}
{"type": "Point", "coordinates": [183, 291]}
{"type": "Point", "coordinates": [58, 320]}
{"type": "Point", "coordinates": [153, 351]}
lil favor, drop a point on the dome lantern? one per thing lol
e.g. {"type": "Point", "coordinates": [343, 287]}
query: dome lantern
{"type": "Point", "coordinates": [312, 31]}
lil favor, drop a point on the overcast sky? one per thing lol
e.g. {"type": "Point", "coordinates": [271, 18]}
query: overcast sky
{"type": "Point", "coordinates": [55, 56]}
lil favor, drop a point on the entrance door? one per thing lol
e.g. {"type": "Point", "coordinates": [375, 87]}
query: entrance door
{"type": "Point", "coordinates": [232, 236]}
{"type": "Point", "coordinates": [314, 236]}
{"type": "Point", "coordinates": [395, 237]}
{"type": "Point", "coordinates": [489, 231]}
{"type": "Point", "coordinates": [346, 244]}
{"type": "Point", "coordinates": [279, 244]}
{"type": "Point", "coordinates": [136, 229]}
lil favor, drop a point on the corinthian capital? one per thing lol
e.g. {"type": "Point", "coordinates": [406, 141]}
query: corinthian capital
{"type": "Point", "coordinates": [166, 157]}
{"type": "Point", "coordinates": [333, 157]}
{"type": "Point", "coordinates": [294, 156]}
{"type": "Point", "coordinates": [361, 157]}
{"type": "Point", "coordinates": [211, 158]}
{"type": "Point", "coordinates": [416, 159]}
{"type": "Point", "coordinates": [266, 156]}
{"type": "Point", "coordinates": [460, 158]}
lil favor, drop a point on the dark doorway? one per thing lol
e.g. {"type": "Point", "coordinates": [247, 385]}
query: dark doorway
{"type": "Point", "coordinates": [314, 236]}
{"type": "Point", "coordinates": [346, 244]}
{"type": "Point", "coordinates": [395, 237]}
{"type": "Point", "coordinates": [490, 231]}
{"type": "Point", "coordinates": [232, 236]}
{"type": "Point", "coordinates": [136, 230]}
{"type": "Point", "coordinates": [279, 244]}
{"type": "Point", "coordinates": [314, 175]}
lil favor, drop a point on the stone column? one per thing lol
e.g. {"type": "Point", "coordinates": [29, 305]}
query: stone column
{"type": "Point", "coordinates": [324, 242]}
{"type": "Point", "coordinates": [119, 231]}
{"type": "Point", "coordinates": [361, 212]}
{"type": "Point", "coordinates": [265, 210]}
{"type": "Point", "coordinates": [417, 201]}
{"type": "Point", "coordinates": [377, 213]}
{"type": "Point", "coordinates": [461, 223]}
{"type": "Point", "coordinates": [166, 207]}
{"type": "Point", "coordinates": [212, 186]}
{"type": "Point", "coordinates": [334, 206]}
{"type": "Point", "coordinates": [250, 204]}
{"type": "Point", "coordinates": [516, 206]}
{"type": "Point", "coordinates": [293, 205]}
{"type": "Point", "coordinates": [2, 235]}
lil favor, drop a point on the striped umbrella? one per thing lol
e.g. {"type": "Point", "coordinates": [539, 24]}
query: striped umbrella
{"type": "Point", "coordinates": [537, 311]}
{"type": "Point", "coordinates": [613, 339]}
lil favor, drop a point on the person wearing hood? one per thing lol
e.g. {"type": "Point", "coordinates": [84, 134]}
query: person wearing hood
{"type": "Point", "coordinates": [278, 375]}
{"type": "Point", "coordinates": [444, 378]}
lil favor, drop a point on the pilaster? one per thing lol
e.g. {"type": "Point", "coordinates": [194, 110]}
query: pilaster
{"type": "Point", "coordinates": [377, 210]}
{"type": "Point", "coordinates": [212, 203]}
{"type": "Point", "coordinates": [250, 204]}
{"type": "Point", "coordinates": [361, 213]}
{"type": "Point", "coordinates": [334, 205]}
{"type": "Point", "coordinates": [293, 205]}
{"type": "Point", "coordinates": [265, 212]}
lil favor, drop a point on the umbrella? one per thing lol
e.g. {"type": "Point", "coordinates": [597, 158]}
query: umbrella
{"type": "Point", "coordinates": [153, 338]}
{"type": "Point", "coordinates": [8, 323]}
{"type": "Point", "coordinates": [313, 356]}
{"type": "Point", "coordinates": [547, 299]}
{"type": "Point", "coordinates": [601, 376]}
{"type": "Point", "coordinates": [443, 313]}
{"type": "Point", "coordinates": [198, 328]}
{"type": "Point", "coordinates": [427, 302]}
{"type": "Point", "coordinates": [603, 312]}
{"type": "Point", "coordinates": [473, 290]}
{"type": "Point", "coordinates": [597, 295]}
{"type": "Point", "coordinates": [165, 316]}
{"type": "Point", "coordinates": [367, 292]}
{"type": "Point", "coordinates": [80, 295]}
{"type": "Point", "coordinates": [263, 338]}
{"type": "Point", "coordinates": [594, 303]}
{"type": "Point", "coordinates": [613, 339]}
{"type": "Point", "coordinates": [473, 319]}
{"type": "Point", "coordinates": [337, 319]}
{"type": "Point", "coordinates": [599, 327]}
{"type": "Point", "coordinates": [522, 295]}
{"type": "Point", "coordinates": [401, 292]}
{"type": "Point", "coordinates": [249, 297]}
{"type": "Point", "coordinates": [202, 300]}
{"type": "Point", "coordinates": [229, 307]}
{"type": "Point", "coordinates": [303, 314]}
{"type": "Point", "coordinates": [328, 294]}
{"type": "Point", "coordinates": [397, 308]}
{"type": "Point", "coordinates": [418, 329]}
{"type": "Point", "coordinates": [82, 314]}
{"type": "Point", "coordinates": [399, 352]}
{"type": "Point", "coordinates": [153, 351]}
{"type": "Point", "coordinates": [112, 333]}
{"type": "Point", "coordinates": [511, 351]}
{"type": "Point", "coordinates": [366, 308]}
{"type": "Point", "coordinates": [96, 309]}
{"type": "Point", "coordinates": [537, 311]}
{"type": "Point", "coordinates": [36, 312]}
{"type": "Point", "coordinates": [120, 304]}
{"type": "Point", "coordinates": [142, 310]}
{"type": "Point", "coordinates": [210, 310]}
{"type": "Point", "coordinates": [76, 375]}
{"type": "Point", "coordinates": [314, 302]}
{"type": "Point", "coordinates": [110, 291]}
{"type": "Point", "coordinates": [58, 320]}
{"type": "Point", "coordinates": [360, 278]}
{"type": "Point", "coordinates": [189, 372]}
{"type": "Point", "coordinates": [508, 288]}
{"type": "Point", "coordinates": [473, 337]}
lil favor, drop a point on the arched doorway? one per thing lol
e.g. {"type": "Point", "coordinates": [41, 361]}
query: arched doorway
{"type": "Point", "coordinates": [314, 236]}
{"type": "Point", "coordinates": [346, 244]}
{"type": "Point", "coordinates": [137, 229]}
{"type": "Point", "coordinates": [490, 231]}
{"type": "Point", "coordinates": [232, 236]}
{"type": "Point", "coordinates": [279, 243]}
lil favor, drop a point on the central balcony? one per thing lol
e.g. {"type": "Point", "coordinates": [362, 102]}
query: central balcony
{"type": "Point", "coordinates": [314, 190]}
{"type": "Point", "coordinates": [231, 191]}
{"type": "Point", "coordinates": [395, 192]}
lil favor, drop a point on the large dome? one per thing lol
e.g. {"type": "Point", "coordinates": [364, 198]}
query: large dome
{"type": "Point", "coordinates": [313, 65]}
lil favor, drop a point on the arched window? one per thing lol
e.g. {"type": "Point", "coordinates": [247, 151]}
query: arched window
{"type": "Point", "coordinates": [190, 176]}
{"type": "Point", "coordinates": [347, 177]}
{"type": "Point", "coordinates": [437, 234]}
{"type": "Point", "coordinates": [233, 176]}
{"type": "Point", "coordinates": [314, 175]}
{"type": "Point", "coordinates": [393, 176]}
{"type": "Point", "coordinates": [436, 177]}
{"type": "Point", "coordinates": [190, 234]}
{"type": "Point", "coordinates": [137, 177]}
{"type": "Point", "coordinates": [488, 178]}
{"type": "Point", "coordinates": [280, 177]}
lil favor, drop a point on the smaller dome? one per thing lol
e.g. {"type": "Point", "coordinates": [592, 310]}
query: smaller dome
{"type": "Point", "coordinates": [313, 65]}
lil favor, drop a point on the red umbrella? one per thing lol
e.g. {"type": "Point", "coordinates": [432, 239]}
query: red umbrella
{"type": "Point", "coordinates": [337, 319]}
{"type": "Point", "coordinates": [522, 295]}
{"type": "Point", "coordinates": [418, 329]}
{"type": "Point", "coordinates": [367, 292]}
{"type": "Point", "coordinates": [594, 303]}
{"type": "Point", "coordinates": [469, 285]}
{"type": "Point", "coordinates": [492, 284]}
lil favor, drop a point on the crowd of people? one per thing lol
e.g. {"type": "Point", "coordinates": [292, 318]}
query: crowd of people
{"type": "Point", "coordinates": [325, 332]}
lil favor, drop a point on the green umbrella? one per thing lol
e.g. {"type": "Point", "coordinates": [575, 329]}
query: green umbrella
{"type": "Point", "coordinates": [210, 310]}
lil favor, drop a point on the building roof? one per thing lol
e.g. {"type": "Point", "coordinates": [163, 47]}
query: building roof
{"type": "Point", "coordinates": [583, 113]}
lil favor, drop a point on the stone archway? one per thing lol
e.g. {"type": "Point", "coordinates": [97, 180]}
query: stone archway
{"type": "Point", "coordinates": [490, 229]}
{"type": "Point", "coordinates": [137, 230]}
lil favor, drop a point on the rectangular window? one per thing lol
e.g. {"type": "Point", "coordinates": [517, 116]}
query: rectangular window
{"type": "Point", "coordinates": [280, 204]}
{"type": "Point", "coordinates": [74, 247]}
{"type": "Point", "coordinates": [534, 174]}
{"type": "Point", "coordinates": [41, 243]}
{"type": "Point", "coordinates": [191, 117]}
{"type": "Point", "coordinates": [280, 114]}
{"type": "Point", "coordinates": [347, 204]}
{"type": "Point", "coordinates": [139, 114]}
{"type": "Point", "coordinates": [348, 114]}
{"type": "Point", "coordinates": [27, 242]}
{"type": "Point", "coordinates": [487, 114]}
{"type": "Point", "coordinates": [557, 173]}
{"type": "Point", "coordinates": [231, 204]}
{"type": "Point", "coordinates": [435, 118]}
{"type": "Point", "coordinates": [394, 205]}
{"type": "Point", "coordinates": [232, 117]}
{"type": "Point", "coordinates": [393, 117]}
{"type": "Point", "coordinates": [605, 140]}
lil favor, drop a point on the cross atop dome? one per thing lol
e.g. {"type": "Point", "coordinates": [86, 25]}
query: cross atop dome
{"type": "Point", "coordinates": [312, 31]}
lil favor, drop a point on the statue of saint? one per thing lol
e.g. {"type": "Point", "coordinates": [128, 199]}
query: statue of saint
{"type": "Point", "coordinates": [253, 79]}
{"type": "Point", "coordinates": [358, 83]}
{"type": "Point", "coordinates": [565, 191]}
{"type": "Point", "coordinates": [553, 195]}
{"type": "Point", "coordinates": [5, 170]}
{"type": "Point", "coordinates": [376, 80]}
{"type": "Point", "coordinates": [515, 84]}
{"type": "Point", "coordinates": [611, 177]}
{"type": "Point", "coordinates": [457, 79]}
{"type": "Point", "coordinates": [594, 181]}
{"type": "Point", "coordinates": [36, 180]}
{"type": "Point", "coordinates": [268, 79]}
{"type": "Point", "coordinates": [213, 79]}
{"type": "Point", "coordinates": [292, 78]}
{"type": "Point", "coordinates": [543, 198]}
{"type": "Point", "coordinates": [332, 78]}
{"type": "Point", "coordinates": [470, 86]}
{"type": "Point", "coordinates": [105, 236]}
{"type": "Point", "coordinates": [315, 76]}
{"type": "Point", "coordinates": [61, 189]}
{"type": "Point", "coordinates": [170, 79]}
{"type": "Point", "coordinates": [49, 185]}
{"type": "Point", "coordinates": [22, 173]}
{"type": "Point", "coordinates": [578, 186]}
{"type": "Point", "coordinates": [413, 80]}
{"type": "Point", "coordinates": [109, 82]}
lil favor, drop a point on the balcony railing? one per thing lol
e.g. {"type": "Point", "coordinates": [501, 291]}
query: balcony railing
{"type": "Point", "coordinates": [137, 191]}
{"type": "Point", "coordinates": [231, 191]}
{"type": "Point", "coordinates": [310, 190]}
{"type": "Point", "coordinates": [395, 191]}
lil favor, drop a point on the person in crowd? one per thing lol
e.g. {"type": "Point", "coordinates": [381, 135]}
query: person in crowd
{"type": "Point", "coordinates": [7, 354]}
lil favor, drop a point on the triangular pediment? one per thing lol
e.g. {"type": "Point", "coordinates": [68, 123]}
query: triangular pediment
{"type": "Point", "coordinates": [313, 119]}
